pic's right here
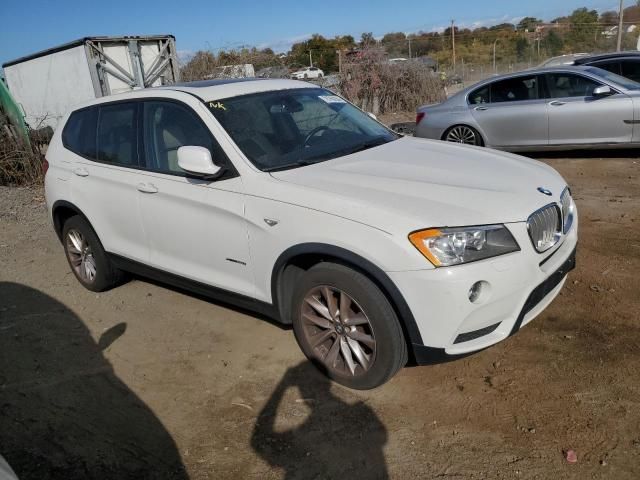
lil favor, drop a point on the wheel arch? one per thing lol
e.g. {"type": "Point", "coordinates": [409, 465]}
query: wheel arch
{"type": "Point", "coordinates": [61, 211]}
{"type": "Point", "coordinates": [299, 258]}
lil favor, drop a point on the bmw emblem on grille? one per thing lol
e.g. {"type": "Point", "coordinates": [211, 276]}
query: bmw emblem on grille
{"type": "Point", "coordinates": [545, 191]}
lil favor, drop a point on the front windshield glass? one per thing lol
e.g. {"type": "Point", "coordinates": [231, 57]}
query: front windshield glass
{"type": "Point", "coordinates": [290, 128]}
{"type": "Point", "coordinates": [624, 82]}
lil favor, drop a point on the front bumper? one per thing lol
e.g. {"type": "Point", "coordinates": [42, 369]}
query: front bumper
{"type": "Point", "coordinates": [521, 285]}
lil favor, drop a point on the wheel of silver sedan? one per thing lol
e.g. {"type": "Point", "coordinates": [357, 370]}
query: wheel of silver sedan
{"type": "Point", "coordinates": [462, 134]}
{"type": "Point", "coordinates": [81, 256]}
{"type": "Point", "coordinates": [338, 331]}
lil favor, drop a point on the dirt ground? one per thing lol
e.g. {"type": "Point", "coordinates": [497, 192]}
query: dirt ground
{"type": "Point", "coordinates": [149, 382]}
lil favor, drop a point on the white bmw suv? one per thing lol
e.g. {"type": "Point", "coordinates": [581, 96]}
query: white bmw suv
{"type": "Point", "coordinates": [282, 197]}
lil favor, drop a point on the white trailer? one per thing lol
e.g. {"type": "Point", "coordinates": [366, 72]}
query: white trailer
{"type": "Point", "coordinates": [48, 83]}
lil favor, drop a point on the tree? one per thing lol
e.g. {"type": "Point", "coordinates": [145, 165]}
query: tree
{"type": "Point", "coordinates": [367, 39]}
{"type": "Point", "coordinates": [608, 18]}
{"type": "Point", "coordinates": [584, 26]}
{"type": "Point", "coordinates": [553, 43]}
{"type": "Point", "coordinates": [202, 63]}
{"type": "Point", "coordinates": [395, 43]}
{"type": "Point", "coordinates": [529, 24]}
{"type": "Point", "coordinates": [522, 48]}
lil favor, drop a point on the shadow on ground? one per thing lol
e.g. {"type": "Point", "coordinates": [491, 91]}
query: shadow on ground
{"type": "Point", "coordinates": [64, 414]}
{"type": "Point", "coordinates": [336, 440]}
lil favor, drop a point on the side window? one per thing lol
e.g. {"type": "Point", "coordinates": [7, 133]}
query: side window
{"type": "Point", "coordinates": [479, 96]}
{"type": "Point", "coordinates": [79, 133]}
{"type": "Point", "coordinates": [610, 66]}
{"type": "Point", "coordinates": [169, 126]}
{"type": "Point", "coordinates": [515, 89]}
{"type": "Point", "coordinates": [117, 139]}
{"type": "Point", "coordinates": [631, 69]}
{"type": "Point", "coordinates": [563, 85]}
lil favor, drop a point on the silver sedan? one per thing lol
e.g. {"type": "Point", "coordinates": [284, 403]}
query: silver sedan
{"type": "Point", "coordinates": [551, 108]}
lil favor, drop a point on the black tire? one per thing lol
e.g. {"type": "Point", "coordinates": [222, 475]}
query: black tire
{"type": "Point", "coordinates": [390, 353]}
{"type": "Point", "coordinates": [106, 274]}
{"type": "Point", "coordinates": [477, 138]}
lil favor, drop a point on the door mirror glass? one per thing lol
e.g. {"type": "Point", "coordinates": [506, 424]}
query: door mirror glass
{"type": "Point", "coordinates": [197, 160]}
{"type": "Point", "coordinates": [602, 91]}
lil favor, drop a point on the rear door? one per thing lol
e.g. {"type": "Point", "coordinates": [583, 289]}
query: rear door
{"type": "Point", "coordinates": [104, 175]}
{"type": "Point", "coordinates": [577, 117]}
{"type": "Point", "coordinates": [196, 228]}
{"type": "Point", "coordinates": [511, 112]}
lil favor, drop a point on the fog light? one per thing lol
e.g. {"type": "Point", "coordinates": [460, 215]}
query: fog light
{"type": "Point", "coordinates": [478, 291]}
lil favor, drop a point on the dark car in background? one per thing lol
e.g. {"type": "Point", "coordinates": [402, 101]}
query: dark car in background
{"type": "Point", "coordinates": [626, 64]}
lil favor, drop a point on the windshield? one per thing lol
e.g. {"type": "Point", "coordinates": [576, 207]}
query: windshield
{"type": "Point", "coordinates": [624, 82]}
{"type": "Point", "coordinates": [290, 128]}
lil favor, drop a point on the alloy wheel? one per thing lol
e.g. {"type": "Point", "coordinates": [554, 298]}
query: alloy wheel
{"type": "Point", "coordinates": [81, 256]}
{"type": "Point", "coordinates": [462, 134]}
{"type": "Point", "coordinates": [338, 331]}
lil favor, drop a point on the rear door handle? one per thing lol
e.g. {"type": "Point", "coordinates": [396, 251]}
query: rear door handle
{"type": "Point", "coordinates": [147, 188]}
{"type": "Point", "coordinates": [556, 103]}
{"type": "Point", "coordinates": [81, 172]}
{"type": "Point", "coordinates": [481, 109]}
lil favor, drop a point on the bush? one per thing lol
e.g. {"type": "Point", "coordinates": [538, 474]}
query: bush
{"type": "Point", "coordinates": [20, 164]}
{"type": "Point", "coordinates": [377, 86]}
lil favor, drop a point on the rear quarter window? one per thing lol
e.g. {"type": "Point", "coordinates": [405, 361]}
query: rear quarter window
{"type": "Point", "coordinates": [79, 133]}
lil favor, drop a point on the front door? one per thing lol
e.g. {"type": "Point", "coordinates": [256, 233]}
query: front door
{"type": "Point", "coordinates": [195, 228]}
{"type": "Point", "coordinates": [577, 117]}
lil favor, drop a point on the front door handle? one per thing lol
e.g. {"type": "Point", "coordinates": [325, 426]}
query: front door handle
{"type": "Point", "coordinates": [147, 188]}
{"type": "Point", "coordinates": [481, 109]}
{"type": "Point", "coordinates": [556, 103]}
{"type": "Point", "coordinates": [81, 172]}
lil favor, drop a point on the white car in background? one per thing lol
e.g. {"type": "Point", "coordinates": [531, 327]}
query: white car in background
{"type": "Point", "coordinates": [309, 72]}
{"type": "Point", "coordinates": [282, 197]}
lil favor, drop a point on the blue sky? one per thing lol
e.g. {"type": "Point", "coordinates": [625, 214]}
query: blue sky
{"type": "Point", "coordinates": [32, 25]}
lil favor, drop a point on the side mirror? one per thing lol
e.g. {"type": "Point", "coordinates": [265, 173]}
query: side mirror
{"type": "Point", "coordinates": [602, 91]}
{"type": "Point", "coordinates": [197, 160]}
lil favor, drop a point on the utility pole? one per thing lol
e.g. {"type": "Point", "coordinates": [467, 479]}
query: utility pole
{"type": "Point", "coordinates": [339, 52]}
{"type": "Point", "coordinates": [310, 59]}
{"type": "Point", "coordinates": [453, 43]}
{"type": "Point", "coordinates": [620, 25]}
{"type": "Point", "coordinates": [409, 39]}
{"type": "Point", "coordinates": [494, 56]}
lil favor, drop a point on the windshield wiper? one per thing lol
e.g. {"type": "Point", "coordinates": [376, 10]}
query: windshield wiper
{"type": "Point", "coordinates": [288, 166]}
{"type": "Point", "coordinates": [375, 142]}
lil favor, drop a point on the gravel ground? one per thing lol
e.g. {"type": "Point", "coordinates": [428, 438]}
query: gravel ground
{"type": "Point", "coordinates": [146, 381]}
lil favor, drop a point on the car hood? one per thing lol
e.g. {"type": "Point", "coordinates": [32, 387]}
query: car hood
{"type": "Point", "coordinates": [415, 183]}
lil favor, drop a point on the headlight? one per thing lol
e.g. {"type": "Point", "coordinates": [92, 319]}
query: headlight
{"type": "Point", "coordinates": [567, 210]}
{"type": "Point", "coordinates": [453, 246]}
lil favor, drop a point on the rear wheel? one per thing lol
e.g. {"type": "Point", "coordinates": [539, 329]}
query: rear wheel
{"type": "Point", "coordinates": [346, 326]}
{"type": "Point", "coordinates": [463, 134]}
{"type": "Point", "coordinates": [87, 258]}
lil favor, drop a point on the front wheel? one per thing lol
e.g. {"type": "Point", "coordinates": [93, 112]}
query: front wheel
{"type": "Point", "coordinates": [347, 327]}
{"type": "Point", "coordinates": [463, 134]}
